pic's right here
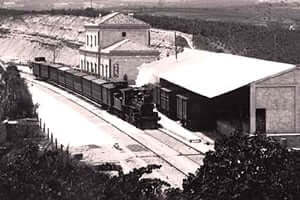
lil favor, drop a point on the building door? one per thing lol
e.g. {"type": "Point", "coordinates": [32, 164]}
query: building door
{"type": "Point", "coordinates": [260, 120]}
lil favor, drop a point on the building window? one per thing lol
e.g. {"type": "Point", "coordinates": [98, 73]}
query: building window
{"type": "Point", "coordinates": [81, 64]}
{"type": "Point", "coordinates": [116, 70]}
{"type": "Point", "coordinates": [95, 40]}
{"type": "Point", "coordinates": [106, 71]}
{"type": "Point", "coordinates": [102, 70]}
{"type": "Point", "coordinates": [123, 34]}
{"type": "Point", "coordinates": [87, 40]}
{"type": "Point", "coordinates": [91, 41]}
{"type": "Point", "coordinates": [96, 69]}
{"type": "Point", "coordinates": [92, 68]}
{"type": "Point", "coordinates": [88, 67]}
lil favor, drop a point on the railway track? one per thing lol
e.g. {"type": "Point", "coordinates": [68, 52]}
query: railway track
{"type": "Point", "coordinates": [179, 146]}
{"type": "Point", "coordinates": [188, 153]}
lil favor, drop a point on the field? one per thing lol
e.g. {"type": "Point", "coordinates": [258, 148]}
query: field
{"type": "Point", "coordinates": [256, 14]}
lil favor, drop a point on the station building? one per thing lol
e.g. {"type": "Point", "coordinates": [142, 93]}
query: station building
{"type": "Point", "coordinates": [234, 92]}
{"type": "Point", "coordinates": [115, 45]}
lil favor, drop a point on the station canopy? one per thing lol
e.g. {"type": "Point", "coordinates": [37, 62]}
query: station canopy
{"type": "Point", "coordinates": [209, 74]}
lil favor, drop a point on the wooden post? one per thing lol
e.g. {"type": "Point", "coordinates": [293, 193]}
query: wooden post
{"type": "Point", "coordinates": [44, 128]}
{"type": "Point", "coordinates": [56, 143]}
{"type": "Point", "coordinates": [51, 140]}
{"type": "Point", "coordinates": [48, 133]}
{"type": "Point", "coordinates": [67, 150]}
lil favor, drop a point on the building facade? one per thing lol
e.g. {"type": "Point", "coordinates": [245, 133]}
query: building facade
{"type": "Point", "coordinates": [116, 44]}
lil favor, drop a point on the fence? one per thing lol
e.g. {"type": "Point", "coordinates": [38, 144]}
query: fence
{"type": "Point", "coordinates": [52, 142]}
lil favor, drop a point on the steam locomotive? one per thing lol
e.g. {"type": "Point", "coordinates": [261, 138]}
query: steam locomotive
{"type": "Point", "coordinates": [133, 104]}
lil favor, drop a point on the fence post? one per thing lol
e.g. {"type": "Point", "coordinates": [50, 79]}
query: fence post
{"type": "Point", "coordinates": [48, 133]}
{"type": "Point", "coordinates": [56, 143]}
{"type": "Point", "coordinates": [51, 140]}
{"type": "Point", "coordinates": [44, 128]}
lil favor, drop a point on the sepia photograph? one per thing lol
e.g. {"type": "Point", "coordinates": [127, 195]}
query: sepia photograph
{"type": "Point", "coordinates": [149, 99]}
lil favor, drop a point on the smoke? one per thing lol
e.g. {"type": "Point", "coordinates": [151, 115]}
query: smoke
{"type": "Point", "coordinates": [150, 72]}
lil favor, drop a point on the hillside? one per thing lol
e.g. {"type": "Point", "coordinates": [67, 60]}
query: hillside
{"type": "Point", "coordinates": [26, 36]}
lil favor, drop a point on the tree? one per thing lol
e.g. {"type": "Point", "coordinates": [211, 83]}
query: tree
{"type": "Point", "coordinates": [245, 168]}
{"type": "Point", "coordinates": [15, 98]}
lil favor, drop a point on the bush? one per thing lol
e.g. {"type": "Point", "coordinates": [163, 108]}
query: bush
{"type": "Point", "coordinates": [245, 168]}
{"type": "Point", "coordinates": [16, 100]}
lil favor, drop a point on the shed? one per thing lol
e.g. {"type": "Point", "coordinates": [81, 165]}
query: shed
{"type": "Point", "coordinates": [234, 92]}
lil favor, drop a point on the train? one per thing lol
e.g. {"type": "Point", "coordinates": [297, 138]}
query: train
{"type": "Point", "coordinates": [132, 104]}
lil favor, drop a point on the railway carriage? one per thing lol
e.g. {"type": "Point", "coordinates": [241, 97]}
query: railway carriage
{"type": "Point", "coordinates": [61, 76]}
{"type": "Point", "coordinates": [44, 70]}
{"type": "Point", "coordinates": [97, 90]}
{"type": "Point", "coordinates": [77, 79]}
{"type": "Point", "coordinates": [108, 91]}
{"type": "Point", "coordinates": [69, 78]}
{"type": "Point", "coordinates": [167, 102]}
{"type": "Point", "coordinates": [40, 70]}
{"type": "Point", "coordinates": [53, 72]}
{"type": "Point", "coordinates": [36, 69]}
{"type": "Point", "coordinates": [87, 85]}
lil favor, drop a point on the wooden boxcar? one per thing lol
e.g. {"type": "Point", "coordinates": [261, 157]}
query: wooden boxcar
{"type": "Point", "coordinates": [87, 85]}
{"type": "Point", "coordinates": [168, 102]}
{"type": "Point", "coordinates": [77, 79]}
{"type": "Point", "coordinates": [44, 70]}
{"type": "Point", "coordinates": [53, 72]}
{"type": "Point", "coordinates": [97, 90]}
{"type": "Point", "coordinates": [182, 103]}
{"type": "Point", "coordinates": [61, 76]}
{"type": "Point", "coordinates": [69, 78]}
{"type": "Point", "coordinates": [109, 89]}
{"type": "Point", "coordinates": [36, 69]}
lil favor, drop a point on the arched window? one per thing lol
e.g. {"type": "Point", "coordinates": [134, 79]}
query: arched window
{"type": "Point", "coordinates": [87, 40]}
{"type": "Point", "coordinates": [91, 41]}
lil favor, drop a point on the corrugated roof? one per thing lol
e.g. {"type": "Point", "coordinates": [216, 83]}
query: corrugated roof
{"type": "Point", "coordinates": [212, 74]}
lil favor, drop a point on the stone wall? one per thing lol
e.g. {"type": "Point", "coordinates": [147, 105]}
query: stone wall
{"type": "Point", "coordinates": [279, 103]}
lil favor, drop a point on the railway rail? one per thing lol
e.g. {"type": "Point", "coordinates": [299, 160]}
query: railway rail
{"type": "Point", "coordinates": [187, 153]}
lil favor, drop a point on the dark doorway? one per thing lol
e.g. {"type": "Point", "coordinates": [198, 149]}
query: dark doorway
{"type": "Point", "coordinates": [261, 120]}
